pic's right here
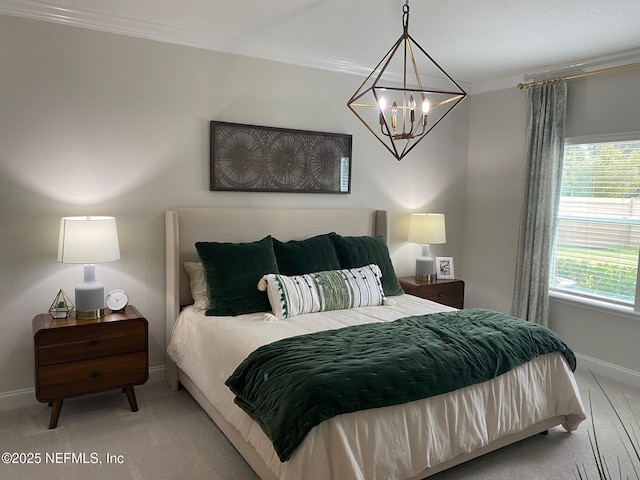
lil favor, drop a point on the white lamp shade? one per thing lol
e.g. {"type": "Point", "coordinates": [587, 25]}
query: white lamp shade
{"type": "Point", "coordinates": [427, 228]}
{"type": "Point", "coordinates": [88, 240]}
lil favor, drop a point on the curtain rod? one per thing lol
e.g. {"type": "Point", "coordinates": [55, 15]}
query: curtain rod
{"type": "Point", "coordinates": [578, 75]}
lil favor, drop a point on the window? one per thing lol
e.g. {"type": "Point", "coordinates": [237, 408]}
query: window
{"type": "Point", "coordinates": [595, 252]}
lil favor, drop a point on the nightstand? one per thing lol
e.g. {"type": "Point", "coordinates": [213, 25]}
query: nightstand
{"type": "Point", "coordinates": [77, 357]}
{"type": "Point", "coordinates": [447, 292]}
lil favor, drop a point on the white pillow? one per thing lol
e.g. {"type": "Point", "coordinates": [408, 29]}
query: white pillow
{"type": "Point", "coordinates": [322, 291]}
{"type": "Point", "coordinates": [195, 271]}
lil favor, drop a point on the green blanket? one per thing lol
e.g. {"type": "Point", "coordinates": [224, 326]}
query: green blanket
{"type": "Point", "coordinates": [292, 385]}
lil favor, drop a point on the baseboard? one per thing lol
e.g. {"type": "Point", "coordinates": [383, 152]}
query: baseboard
{"type": "Point", "coordinates": [609, 370]}
{"type": "Point", "coordinates": [17, 398]}
{"type": "Point", "coordinates": [27, 396]}
{"type": "Point", "coordinates": [156, 374]}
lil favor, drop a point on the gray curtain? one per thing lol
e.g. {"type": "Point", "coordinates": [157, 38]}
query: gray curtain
{"type": "Point", "coordinates": [546, 119]}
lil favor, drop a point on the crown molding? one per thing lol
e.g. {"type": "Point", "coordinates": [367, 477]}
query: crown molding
{"type": "Point", "coordinates": [495, 84]}
{"type": "Point", "coordinates": [38, 10]}
{"type": "Point", "coordinates": [555, 71]}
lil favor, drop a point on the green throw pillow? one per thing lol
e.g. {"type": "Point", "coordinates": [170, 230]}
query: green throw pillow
{"type": "Point", "coordinates": [359, 251]}
{"type": "Point", "coordinates": [232, 272]}
{"type": "Point", "coordinates": [315, 254]}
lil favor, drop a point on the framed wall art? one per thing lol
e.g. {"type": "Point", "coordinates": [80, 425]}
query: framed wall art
{"type": "Point", "coordinates": [251, 158]}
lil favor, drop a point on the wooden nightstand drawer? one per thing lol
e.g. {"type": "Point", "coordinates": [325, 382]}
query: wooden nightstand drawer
{"type": "Point", "coordinates": [91, 341]}
{"type": "Point", "coordinates": [447, 292]}
{"type": "Point", "coordinates": [69, 379]}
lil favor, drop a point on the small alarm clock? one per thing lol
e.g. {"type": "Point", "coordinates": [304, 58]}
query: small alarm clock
{"type": "Point", "coordinates": [117, 300]}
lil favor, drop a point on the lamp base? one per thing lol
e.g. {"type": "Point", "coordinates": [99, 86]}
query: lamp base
{"type": "Point", "coordinates": [90, 315]}
{"type": "Point", "coordinates": [426, 266]}
{"type": "Point", "coordinates": [429, 278]}
{"type": "Point", "coordinates": [89, 296]}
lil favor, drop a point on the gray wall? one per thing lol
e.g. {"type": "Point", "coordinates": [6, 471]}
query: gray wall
{"type": "Point", "coordinates": [494, 188]}
{"type": "Point", "coordinates": [96, 123]}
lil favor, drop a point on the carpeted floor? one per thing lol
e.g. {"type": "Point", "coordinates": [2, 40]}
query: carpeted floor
{"type": "Point", "coordinates": [172, 438]}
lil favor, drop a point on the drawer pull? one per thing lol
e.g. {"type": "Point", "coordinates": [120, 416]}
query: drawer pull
{"type": "Point", "coordinates": [94, 342]}
{"type": "Point", "coordinates": [94, 374]}
{"type": "Point", "coordinates": [440, 294]}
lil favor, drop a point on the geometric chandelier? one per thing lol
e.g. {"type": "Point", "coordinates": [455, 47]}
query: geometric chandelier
{"type": "Point", "coordinates": [393, 102]}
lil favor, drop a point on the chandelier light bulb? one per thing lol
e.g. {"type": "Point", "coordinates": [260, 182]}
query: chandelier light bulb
{"type": "Point", "coordinates": [412, 108]}
{"type": "Point", "coordinates": [394, 112]}
{"type": "Point", "coordinates": [382, 104]}
{"type": "Point", "coordinates": [425, 106]}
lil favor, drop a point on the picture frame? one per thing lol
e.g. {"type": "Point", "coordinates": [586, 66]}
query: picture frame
{"type": "Point", "coordinates": [444, 268]}
{"type": "Point", "coordinates": [252, 158]}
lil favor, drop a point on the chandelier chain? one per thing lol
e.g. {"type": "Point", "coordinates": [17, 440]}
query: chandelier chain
{"type": "Point", "coordinates": [405, 16]}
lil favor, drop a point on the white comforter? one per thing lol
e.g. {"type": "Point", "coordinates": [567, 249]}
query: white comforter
{"type": "Point", "coordinates": [385, 443]}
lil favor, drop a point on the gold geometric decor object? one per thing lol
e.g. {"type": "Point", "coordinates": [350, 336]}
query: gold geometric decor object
{"type": "Point", "coordinates": [61, 306]}
{"type": "Point", "coordinates": [394, 102]}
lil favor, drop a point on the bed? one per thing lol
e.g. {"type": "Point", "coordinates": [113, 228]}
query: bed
{"type": "Point", "coordinates": [405, 442]}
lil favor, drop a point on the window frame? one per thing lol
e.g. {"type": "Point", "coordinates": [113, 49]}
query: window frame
{"type": "Point", "coordinates": [581, 297]}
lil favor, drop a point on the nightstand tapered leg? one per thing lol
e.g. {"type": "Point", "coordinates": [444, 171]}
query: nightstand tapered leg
{"type": "Point", "coordinates": [55, 413]}
{"type": "Point", "coordinates": [131, 396]}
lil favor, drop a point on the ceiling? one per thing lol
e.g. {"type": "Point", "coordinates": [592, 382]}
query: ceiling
{"type": "Point", "coordinates": [483, 44]}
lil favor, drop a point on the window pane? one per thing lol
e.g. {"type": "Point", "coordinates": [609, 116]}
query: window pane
{"type": "Point", "coordinates": [596, 245]}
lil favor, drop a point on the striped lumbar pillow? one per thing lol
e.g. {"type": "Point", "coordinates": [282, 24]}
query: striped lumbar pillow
{"type": "Point", "coordinates": [321, 291]}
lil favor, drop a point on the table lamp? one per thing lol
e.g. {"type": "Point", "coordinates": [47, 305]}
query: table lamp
{"type": "Point", "coordinates": [425, 229]}
{"type": "Point", "coordinates": [88, 240]}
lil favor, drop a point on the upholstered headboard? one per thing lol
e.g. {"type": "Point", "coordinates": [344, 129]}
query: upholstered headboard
{"type": "Point", "coordinates": [186, 226]}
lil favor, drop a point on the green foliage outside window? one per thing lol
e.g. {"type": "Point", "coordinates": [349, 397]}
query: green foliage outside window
{"type": "Point", "coordinates": [592, 272]}
{"type": "Point", "coordinates": [594, 170]}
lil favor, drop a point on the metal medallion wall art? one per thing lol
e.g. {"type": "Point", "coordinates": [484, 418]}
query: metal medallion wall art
{"type": "Point", "coordinates": [252, 158]}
